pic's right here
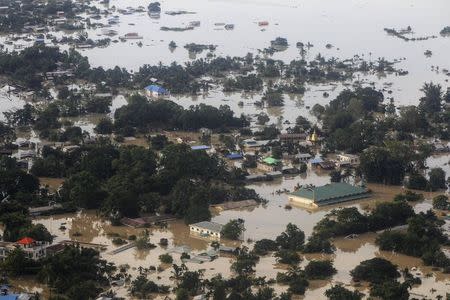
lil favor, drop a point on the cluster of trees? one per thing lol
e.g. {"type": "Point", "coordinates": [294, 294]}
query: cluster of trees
{"type": "Point", "coordinates": [287, 245]}
{"type": "Point", "coordinates": [32, 13]}
{"type": "Point", "coordinates": [26, 66]}
{"type": "Point", "coordinates": [358, 121]}
{"type": "Point", "coordinates": [389, 164]}
{"type": "Point", "coordinates": [75, 273]}
{"type": "Point", "coordinates": [46, 119]}
{"type": "Point", "coordinates": [273, 97]}
{"type": "Point", "coordinates": [20, 190]}
{"type": "Point", "coordinates": [166, 114]}
{"type": "Point", "coordinates": [435, 182]}
{"type": "Point", "coordinates": [382, 275]}
{"type": "Point", "coordinates": [441, 202]}
{"type": "Point", "coordinates": [244, 285]}
{"type": "Point", "coordinates": [142, 288]}
{"type": "Point", "coordinates": [349, 220]}
{"type": "Point", "coordinates": [423, 238]}
{"type": "Point", "coordinates": [233, 230]}
{"type": "Point", "coordinates": [246, 83]}
{"type": "Point", "coordinates": [129, 180]}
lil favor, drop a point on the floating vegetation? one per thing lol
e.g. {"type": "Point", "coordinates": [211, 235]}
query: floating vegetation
{"type": "Point", "coordinates": [445, 31]}
{"type": "Point", "coordinates": [165, 28]}
{"type": "Point", "coordinates": [198, 48]}
{"type": "Point", "coordinates": [179, 12]}
{"type": "Point", "coordinates": [402, 34]}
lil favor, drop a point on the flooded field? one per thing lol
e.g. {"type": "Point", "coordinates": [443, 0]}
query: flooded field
{"type": "Point", "coordinates": [264, 221]}
{"type": "Point", "coordinates": [337, 23]}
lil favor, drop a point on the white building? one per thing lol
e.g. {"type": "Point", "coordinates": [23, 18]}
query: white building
{"type": "Point", "coordinates": [33, 249]}
{"type": "Point", "coordinates": [206, 229]}
{"type": "Point", "coordinates": [347, 160]}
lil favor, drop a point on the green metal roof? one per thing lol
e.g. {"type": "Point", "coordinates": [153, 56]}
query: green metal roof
{"type": "Point", "coordinates": [332, 193]}
{"type": "Point", "coordinates": [271, 161]}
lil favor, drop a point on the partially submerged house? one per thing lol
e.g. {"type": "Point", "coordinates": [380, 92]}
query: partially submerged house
{"type": "Point", "coordinates": [234, 156]}
{"type": "Point", "coordinates": [33, 249]}
{"type": "Point", "coordinates": [269, 164]}
{"type": "Point", "coordinates": [252, 143]}
{"type": "Point", "coordinates": [200, 148]}
{"type": "Point", "coordinates": [347, 160]}
{"type": "Point", "coordinates": [155, 91]}
{"type": "Point", "coordinates": [313, 163]}
{"type": "Point", "coordinates": [303, 157]}
{"type": "Point", "coordinates": [234, 205]}
{"type": "Point", "coordinates": [332, 193]}
{"type": "Point", "coordinates": [292, 137]}
{"type": "Point", "coordinates": [206, 229]}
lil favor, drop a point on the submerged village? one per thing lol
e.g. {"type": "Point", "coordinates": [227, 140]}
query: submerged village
{"type": "Point", "coordinates": [251, 166]}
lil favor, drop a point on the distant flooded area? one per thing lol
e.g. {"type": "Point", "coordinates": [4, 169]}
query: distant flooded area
{"type": "Point", "coordinates": [404, 34]}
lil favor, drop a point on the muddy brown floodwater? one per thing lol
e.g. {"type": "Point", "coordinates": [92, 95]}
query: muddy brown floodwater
{"type": "Point", "coordinates": [261, 222]}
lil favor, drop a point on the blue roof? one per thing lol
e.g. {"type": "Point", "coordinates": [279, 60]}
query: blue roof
{"type": "Point", "coordinates": [9, 297]}
{"type": "Point", "coordinates": [201, 147]}
{"type": "Point", "coordinates": [316, 160]}
{"type": "Point", "coordinates": [234, 156]}
{"type": "Point", "coordinates": [156, 88]}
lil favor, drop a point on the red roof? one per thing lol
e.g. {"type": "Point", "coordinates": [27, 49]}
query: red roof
{"type": "Point", "coordinates": [26, 241]}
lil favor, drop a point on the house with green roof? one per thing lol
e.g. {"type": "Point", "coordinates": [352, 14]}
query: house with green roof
{"type": "Point", "coordinates": [269, 164]}
{"type": "Point", "coordinates": [332, 193]}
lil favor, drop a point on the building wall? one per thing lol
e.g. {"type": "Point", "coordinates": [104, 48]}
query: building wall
{"type": "Point", "coordinates": [199, 231]}
{"type": "Point", "coordinates": [302, 201]}
{"type": "Point", "coordinates": [267, 168]}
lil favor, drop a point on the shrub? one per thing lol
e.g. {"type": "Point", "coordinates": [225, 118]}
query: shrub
{"type": "Point", "coordinates": [233, 229]}
{"type": "Point", "coordinates": [338, 292]}
{"type": "Point", "coordinates": [166, 258]}
{"type": "Point", "coordinates": [441, 202]}
{"type": "Point", "coordinates": [292, 238]}
{"type": "Point", "coordinates": [262, 247]}
{"type": "Point", "coordinates": [286, 256]}
{"type": "Point", "coordinates": [375, 270]}
{"type": "Point", "coordinates": [320, 269]}
{"type": "Point", "coordinates": [118, 241]}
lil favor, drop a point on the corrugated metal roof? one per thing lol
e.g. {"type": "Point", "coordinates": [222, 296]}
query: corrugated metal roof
{"type": "Point", "coordinates": [332, 193]}
{"type": "Point", "coordinates": [156, 88]}
{"type": "Point", "coordinates": [234, 156]}
{"type": "Point", "coordinates": [216, 227]}
{"type": "Point", "coordinates": [201, 147]}
{"type": "Point", "coordinates": [271, 161]}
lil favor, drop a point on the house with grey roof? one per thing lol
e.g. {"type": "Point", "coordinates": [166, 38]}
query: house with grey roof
{"type": "Point", "coordinates": [332, 193]}
{"type": "Point", "coordinates": [206, 229]}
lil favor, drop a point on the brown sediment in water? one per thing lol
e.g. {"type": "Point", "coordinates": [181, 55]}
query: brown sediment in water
{"type": "Point", "coordinates": [29, 284]}
{"type": "Point", "coordinates": [52, 183]}
{"type": "Point", "coordinates": [137, 141]}
{"type": "Point", "coordinates": [261, 222]}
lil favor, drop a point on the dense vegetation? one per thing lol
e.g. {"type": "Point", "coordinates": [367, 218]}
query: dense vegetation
{"type": "Point", "coordinates": [142, 114]}
{"type": "Point", "coordinates": [74, 273]}
{"type": "Point", "coordinates": [130, 180]}
{"type": "Point", "coordinates": [349, 220]}
{"type": "Point", "coordinates": [423, 238]}
{"type": "Point", "coordinates": [20, 190]}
